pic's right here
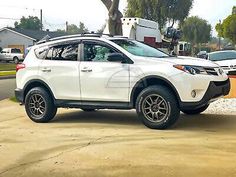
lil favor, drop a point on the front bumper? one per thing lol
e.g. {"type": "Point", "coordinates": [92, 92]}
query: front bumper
{"type": "Point", "coordinates": [19, 94]}
{"type": "Point", "coordinates": [215, 90]}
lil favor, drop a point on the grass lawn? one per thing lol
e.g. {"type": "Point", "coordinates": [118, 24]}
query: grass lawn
{"type": "Point", "coordinates": [13, 99]}
{"type": "Point", "coordinates": [7, 73]}
{"type": "Point", "coordinates": [7, 66]}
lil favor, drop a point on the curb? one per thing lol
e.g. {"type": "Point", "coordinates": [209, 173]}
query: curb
{"type": "Point", "coordinates": [8, 77]}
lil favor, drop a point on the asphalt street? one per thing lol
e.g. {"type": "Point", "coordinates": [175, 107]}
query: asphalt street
{"type": "Point", "coordinates": [7, 87]}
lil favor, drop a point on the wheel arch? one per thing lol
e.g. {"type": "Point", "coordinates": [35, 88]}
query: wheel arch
{"type": "Point", "coordinates": [36, 83]}
{"type": "Point", "coordinates": [149, 81]}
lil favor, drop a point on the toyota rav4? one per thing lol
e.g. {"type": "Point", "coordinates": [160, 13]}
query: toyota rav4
{"type": "Point", "coordinates": [94, 72]}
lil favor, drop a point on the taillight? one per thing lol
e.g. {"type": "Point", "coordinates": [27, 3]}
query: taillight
{"type": "Point", "coordinates": [20, 66]}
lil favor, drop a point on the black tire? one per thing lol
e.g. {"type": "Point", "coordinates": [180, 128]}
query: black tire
{"type": "Point", "coordinates": [39, 105]}
{"type": "Point", "coordinates": [166, 118]}
{"type": "Point", "coordinates": [88, 110]}
{"type": "Point", "coordinates": [16, 60]}
{"type": "Point", "coordinates": [195, 111]}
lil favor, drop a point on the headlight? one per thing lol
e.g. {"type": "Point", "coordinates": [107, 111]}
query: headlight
{"type": "Point", "coordinates": [191, 69]}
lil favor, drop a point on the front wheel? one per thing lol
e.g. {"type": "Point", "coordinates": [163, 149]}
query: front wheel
{"type": "Point", "coordinates": [39, 105]}
{"type": "Point", "coordinates": [157, 107]}
{"type": "Point", "coordinates": [195, 111]}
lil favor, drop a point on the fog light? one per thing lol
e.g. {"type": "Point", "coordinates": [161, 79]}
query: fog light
{"type": "Point", "coordinates": [193, 93]}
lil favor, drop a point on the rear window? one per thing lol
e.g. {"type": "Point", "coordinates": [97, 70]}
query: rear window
{"type": "Point", "coordinates": [15, 51]}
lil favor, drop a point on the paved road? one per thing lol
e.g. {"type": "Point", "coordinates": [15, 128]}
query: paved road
{"type": "Point", "coordinates": [7, 87]}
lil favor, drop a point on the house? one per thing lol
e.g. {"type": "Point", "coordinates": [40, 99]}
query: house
{"type": "Point", "coordinates": [22, 38]}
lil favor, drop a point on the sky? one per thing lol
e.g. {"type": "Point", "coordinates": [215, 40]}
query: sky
{"type": "Point", "coordinates": [93, 13]}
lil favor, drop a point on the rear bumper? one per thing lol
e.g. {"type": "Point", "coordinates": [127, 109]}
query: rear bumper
{"type": "Point", "coordinates": [215, 90]}
{"type": "Point", "coordinates": [19, 94]}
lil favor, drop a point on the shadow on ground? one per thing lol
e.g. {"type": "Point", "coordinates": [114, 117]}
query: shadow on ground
{"type": "Point", "coordinates": [131, 118]}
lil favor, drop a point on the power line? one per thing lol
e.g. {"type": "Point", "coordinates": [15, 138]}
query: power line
{"type": "Point", "coordinates": [20, 7]}
{"type": "Point", "coordinates": [7, 18]}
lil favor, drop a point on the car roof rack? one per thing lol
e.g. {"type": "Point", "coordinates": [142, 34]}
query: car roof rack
{"type": "Point", "coordinates": [92, 34]}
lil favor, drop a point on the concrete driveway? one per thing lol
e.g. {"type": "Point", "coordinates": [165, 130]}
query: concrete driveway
{"type": "Point", "coordinates": [115, 143]}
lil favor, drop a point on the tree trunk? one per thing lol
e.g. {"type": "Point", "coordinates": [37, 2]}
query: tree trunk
{"type": "Point", "coordinates": [114, 21]}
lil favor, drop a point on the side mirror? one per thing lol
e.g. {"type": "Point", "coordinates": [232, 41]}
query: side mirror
{"type": "Point", "coordinates": [116, 57]}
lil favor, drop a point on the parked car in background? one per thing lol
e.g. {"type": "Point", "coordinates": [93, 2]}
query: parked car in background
{"type": "Point", "coordinates": [11, 54]}
{"type": "Point", "coordinates": [226, 59]}
{"type": "Point", "coordinates": [202, 54]}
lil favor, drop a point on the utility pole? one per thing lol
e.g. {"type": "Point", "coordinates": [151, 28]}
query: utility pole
{"type": "Point", "coordinates": [41, 19]}
{"type": "Point", "coordinates": [219, 36]}
{"type": "Point", "coordinates": [66, 26]}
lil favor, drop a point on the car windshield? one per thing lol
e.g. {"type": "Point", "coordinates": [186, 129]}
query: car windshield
{"type": "Point", "coordinates": [140, 49]}
{"type": "Point", "coordinates": [219, 56]}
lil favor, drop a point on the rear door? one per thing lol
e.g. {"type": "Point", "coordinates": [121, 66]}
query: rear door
{"type": "Point", "coordinates": [60, 70]}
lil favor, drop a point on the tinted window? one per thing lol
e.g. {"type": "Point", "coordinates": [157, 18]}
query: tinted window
{"type": "Point", "coordinates": [181, 47]}
{"type": "Point", "coordinates": [222, 56]}
{"type": "Point", "coordinates": [41, 52]}
{"type": "Point", "coordinates": [15, 51]}
{"type": "Point", "coordinates": [96, 52]}
{"type": "Point", "coordinates": [67, 52]}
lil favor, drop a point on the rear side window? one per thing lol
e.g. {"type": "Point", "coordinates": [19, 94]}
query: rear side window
{"type": "Point", "coordinates": [41, 52]}
{"type": "Point", "coordinates": [68, 52]}
{"type": "Point", "coordinates": [15, 51]}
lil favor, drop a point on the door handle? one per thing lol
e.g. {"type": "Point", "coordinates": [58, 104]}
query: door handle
{"type": "Point", "coordinates": [86, 70]}
{"type": "Point", "coordinates": [46, 70]}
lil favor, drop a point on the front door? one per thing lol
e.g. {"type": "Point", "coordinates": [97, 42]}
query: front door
{"type": "Point", "coordinates": [100, 79]}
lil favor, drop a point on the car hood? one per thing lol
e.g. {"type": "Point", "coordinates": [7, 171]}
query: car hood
{"type": "Point", "coordinates": [179, 60]}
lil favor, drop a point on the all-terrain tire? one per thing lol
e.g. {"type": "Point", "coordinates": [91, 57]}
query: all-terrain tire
{"type": "Point", "coordinates": [39, 105]}
{"type": "Point", "coordinates": [164, 111]}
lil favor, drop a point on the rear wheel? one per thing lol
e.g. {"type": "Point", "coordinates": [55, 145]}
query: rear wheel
{"type": "Point", "coordinates": [16, 60]}
{"type": "Point", "coordinates": [157, 107]}
{"type": "Point", "coordinates": [39, 105]}
{"type": "Point", "coordinates": [196, 111]}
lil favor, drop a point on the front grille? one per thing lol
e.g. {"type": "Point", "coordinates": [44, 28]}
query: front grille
{"type": "Point", "coordinates": [211, 71]}
{"type": "Point", "coordinates": [232, 73]}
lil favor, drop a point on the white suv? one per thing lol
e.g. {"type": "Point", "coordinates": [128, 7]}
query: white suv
{"type": "Point", "coordinates": [92, 72]}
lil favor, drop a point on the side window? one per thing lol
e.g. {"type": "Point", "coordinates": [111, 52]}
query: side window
{"type": "Point", "coordinates": [41, 52]}
{"type": "Point", "coordinates": [49, 54]}
{"type": "Point", "coordinates": [15, 51]}
{"type": "Point", "coordinates": [181, 47]}
{"type": "Point", "coordinates": [96, 52]}
{"type": "Point", "coordinates": [68, 52]}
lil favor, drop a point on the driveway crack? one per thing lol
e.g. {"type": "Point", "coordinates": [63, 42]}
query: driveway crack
{"type": "Point", "coordinates": [55, 156]}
